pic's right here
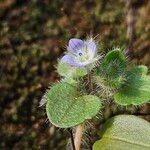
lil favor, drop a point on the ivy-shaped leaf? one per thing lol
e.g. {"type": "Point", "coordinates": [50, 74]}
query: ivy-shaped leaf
{"type": "Point", "coordinates": [124, 132]}
{"type": "Point", "coordinates": [66, 107]}
{"type": "Point", "coordinates": [136, 90]}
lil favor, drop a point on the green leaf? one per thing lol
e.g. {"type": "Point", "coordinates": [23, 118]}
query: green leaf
{"type": "Point", "coordinates": [139, 70]}
{"type": "Point", "coordinates": [136, 90]}
{"type": "Point", "coordinates": [114, 55]}
{"type": "Point", "coordinates": [114, 63]}
{"type": "Point", "coordinates": [66, 107]}
{"type": "Point", "coordinates": [64, 69]}
{"type": "Point", "coordinates": [135, 93]}
{"type": "Point", "coordinates": [68, 71]}
{"type": "Point", "coordinates": [124, 132]}
{"type": "Point", "coordinates": [111, 73]}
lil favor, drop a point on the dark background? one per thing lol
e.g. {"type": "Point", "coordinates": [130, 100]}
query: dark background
{"type": "Point", "coordinates": [33, 35]}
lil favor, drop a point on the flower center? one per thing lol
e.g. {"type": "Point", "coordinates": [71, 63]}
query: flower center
{"type": "Point", "coordinates": [83, 57]}
{"type": "Point", "coordinates": [80, 54]}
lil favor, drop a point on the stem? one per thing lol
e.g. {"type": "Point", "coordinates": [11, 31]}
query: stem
{"type": "Point", "coordinates": [72, 139]}
{"type": "Point", "coordinates": [78, 136]}
{"type": "Point", "coordinates": [90, 83]}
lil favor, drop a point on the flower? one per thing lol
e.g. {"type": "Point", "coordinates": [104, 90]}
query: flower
{"type": "Point", "coordinates": [80, 53]}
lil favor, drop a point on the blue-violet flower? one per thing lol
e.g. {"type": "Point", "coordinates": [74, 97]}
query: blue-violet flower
{"type": "Point", "coordinates": [81, 53]}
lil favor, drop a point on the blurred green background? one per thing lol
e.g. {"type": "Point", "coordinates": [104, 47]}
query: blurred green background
{"type": "Point", "coordinates": [33, 35]}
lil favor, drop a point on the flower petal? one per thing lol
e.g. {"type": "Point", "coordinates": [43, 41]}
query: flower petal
{"type": "Point", "coordinates": [91, 46]}
{"type": "Point", "coordinates": [70, 59]}
{"type": "Point", "coordinates": [75, 45]}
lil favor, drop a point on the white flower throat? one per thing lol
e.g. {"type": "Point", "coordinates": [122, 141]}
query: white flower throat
{"type": "Point", "coordinates": [84, 55]}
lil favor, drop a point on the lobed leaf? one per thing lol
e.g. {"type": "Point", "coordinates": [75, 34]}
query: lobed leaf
{"type": "Point", "coordinates": [136, 90]}
{"type": "Point", "coordinates": [66, 107]}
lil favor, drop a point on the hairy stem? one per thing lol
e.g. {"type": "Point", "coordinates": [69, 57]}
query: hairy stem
{"type": "Point", "coordinates": [78, 136]}
{"type": "Point", "coordinates": [90, 84]}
